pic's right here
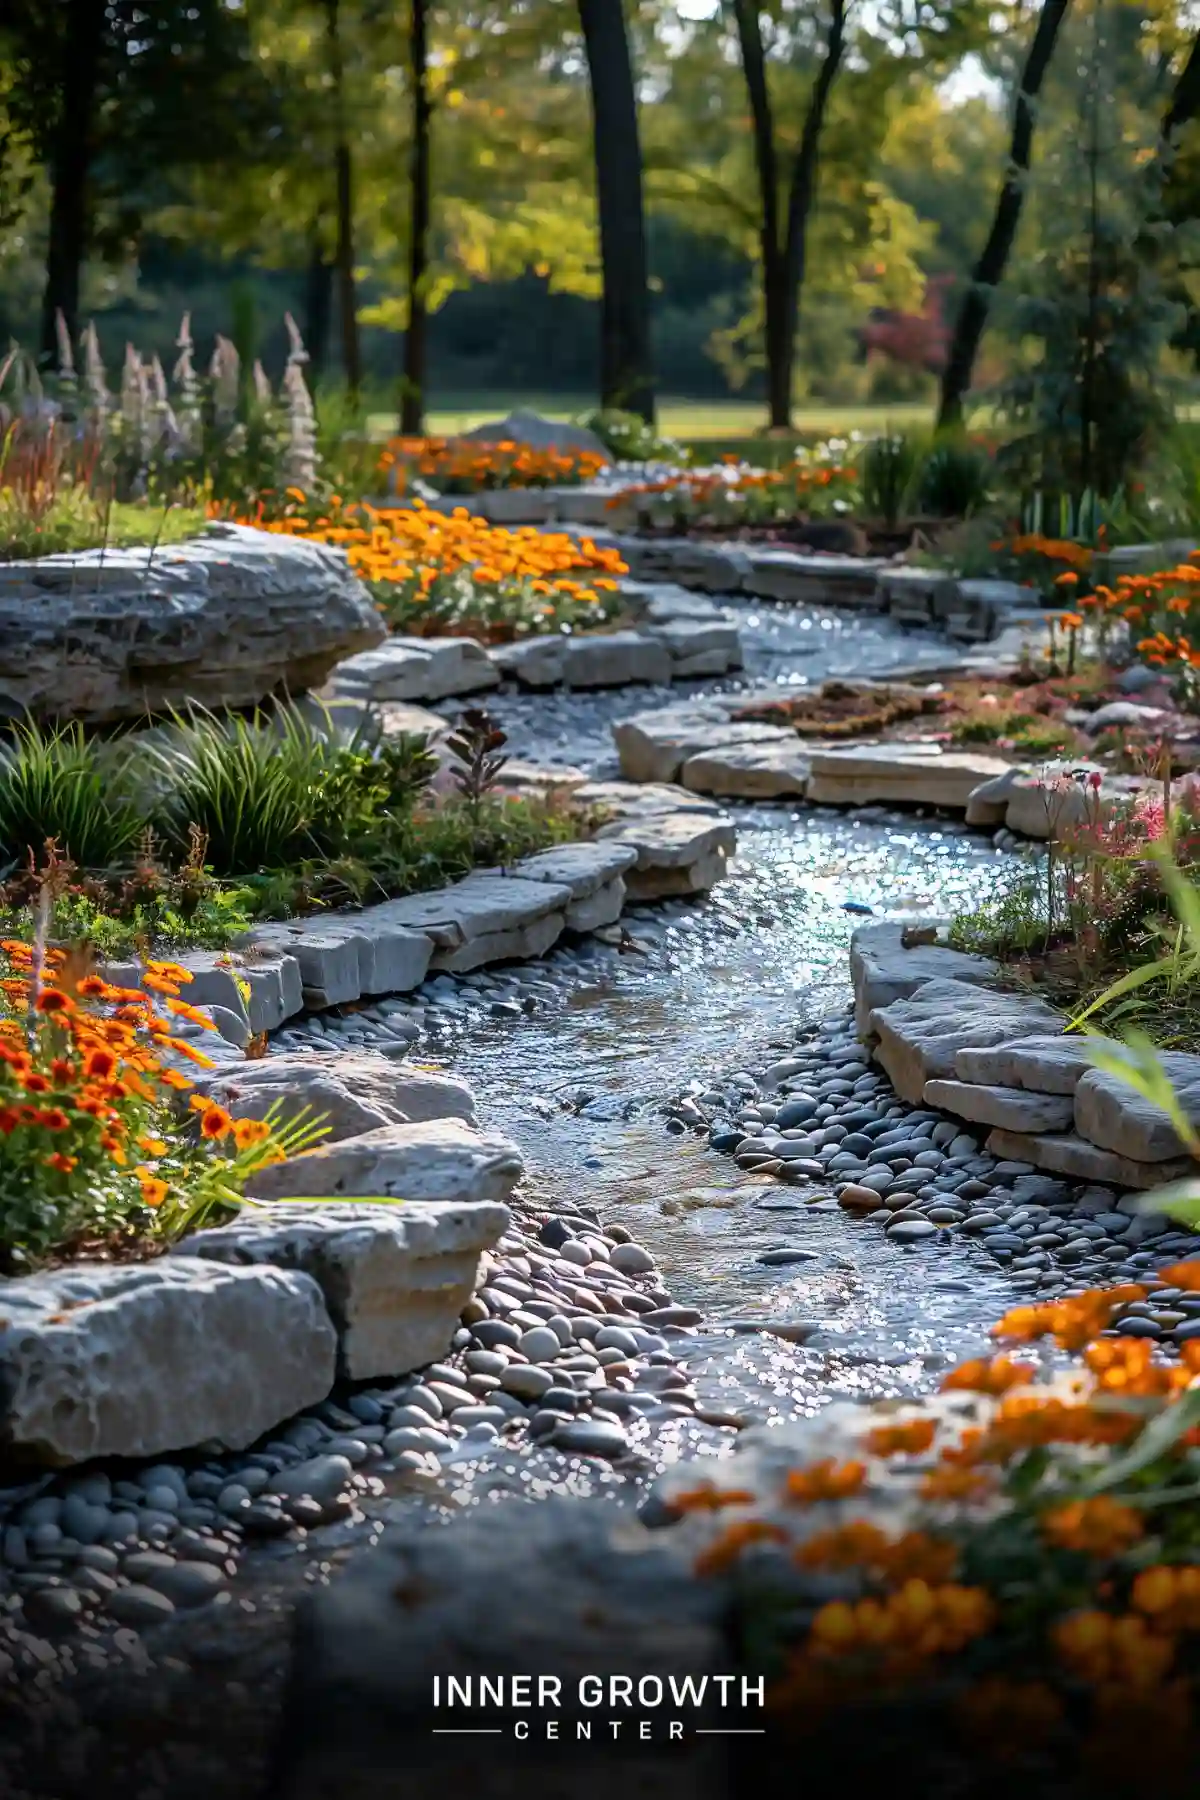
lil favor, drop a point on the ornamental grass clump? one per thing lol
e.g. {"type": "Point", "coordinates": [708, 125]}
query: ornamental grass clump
{"type": "Point", "coordinates": [95, 1157]}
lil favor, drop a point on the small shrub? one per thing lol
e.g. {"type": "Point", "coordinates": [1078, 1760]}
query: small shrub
{"type": "Point", "coordinates": [627, 437]}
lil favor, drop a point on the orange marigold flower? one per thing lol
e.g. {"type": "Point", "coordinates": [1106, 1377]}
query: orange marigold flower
{"type": "Point", "coordinates": [54, 1119]}
{"type": "Point", "coordinates": [1099, 1527]}
{"type": "Point", "coordinates": [826, 1480]}
{"type": "Point", "coordinates": [52, 1000]}
{"type": "Point", "coordinates": [988, 1375]}
{"type": "Point", "coordinates": [64, 1164]}
{"type": "Point", "coordinates": [902, 1440]}
{"type": "Point", "coordinates": [34, 1083]}
{"type": "Point", "coordinates": [99, 1064]}
{"type": "Point", "coordinates": [725, 1550]}
{"type": "Point", "coordinates": [1184, 1275]}
{"type": "Point", "coordinates": [956, 1484]}
{"type": "Point", "coordinates": [247, 1132]}
{"type": "Point", "coordinates": [215, 1122]}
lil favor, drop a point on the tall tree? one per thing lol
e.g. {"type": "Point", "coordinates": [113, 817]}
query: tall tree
{"type": "Point", "coordinates": [626, 379]}
{"type": "Point", "coordinates": [412, 396]}
{"type": "Point", "coordinates": [783, 252]}
{"type": "Point", "coordinates": [989, 270]}
{"type": "Point", "coordinates": [114, 96]}
{"type": "Point", "coordinates": [343, 172]}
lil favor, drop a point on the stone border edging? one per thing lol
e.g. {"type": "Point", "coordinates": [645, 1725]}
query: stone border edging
{"type": "Point", "coordinates": [947, 1036]}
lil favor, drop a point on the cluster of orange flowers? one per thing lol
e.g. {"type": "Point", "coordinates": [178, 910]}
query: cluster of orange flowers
{"type": "Point", "coordinates": [82, 1075]}
{"type": "Point", "coordinates": [468, 465]}
{"type": "Point", "coordinates": [913, 1607]}
{"type": "Point", "coordinates": [779, 491]}
{"type": "Point", "coordinates": [412, 555]}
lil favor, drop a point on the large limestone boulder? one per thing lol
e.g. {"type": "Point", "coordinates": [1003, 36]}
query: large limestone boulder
{"type": "Point", "coordinates": [1014, 1109]}
{"type": "Point", "coordinates": [883, 970]}
{"type": "Point", "coordinates": [145, 1358]}
{"type": "Point", "coordinates": [599, 659]}
{"type": "Point", "coordinates": [655, 746]}
{"type": "Point", "coordinates": [441, 1160]}
{"type": "Point", "coordinates": [350, 1093]}
{"type": "Point", "coordinates": [919, 1038]}
{"type": "Point", "coordinates": [395, 1278]}
{"type": "Point", "coordinates": [595, 874]}
{"type": "Point", "coordinates": [587, 1587]}
{"type": "Point", "coordinates": [224, 619]}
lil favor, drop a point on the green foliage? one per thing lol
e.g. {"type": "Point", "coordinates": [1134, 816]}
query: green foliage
{"type": "Point", "coordinates": [78, 521]}
{"type": "Point", "coordinates": [628, 438]}
{"type": "Point", "coordinates": [955, 479]}
{"type": "Point", "coordinates": [65, 786]}
{"type": "Point", "coordinates": [889, 468]}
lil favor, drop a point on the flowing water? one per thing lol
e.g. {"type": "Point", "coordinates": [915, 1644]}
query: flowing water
{"type": "Point", "coordinates": [582, 1091]}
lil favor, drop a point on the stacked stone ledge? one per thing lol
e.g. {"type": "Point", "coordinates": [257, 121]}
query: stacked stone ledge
{"type": "Point", "coordinates": [948, 1036]}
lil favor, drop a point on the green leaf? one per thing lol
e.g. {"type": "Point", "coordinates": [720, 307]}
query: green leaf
{"type": "Point", "coordinates": [1155, 1441]}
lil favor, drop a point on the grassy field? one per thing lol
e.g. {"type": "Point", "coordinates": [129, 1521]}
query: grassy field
{"type": "Point", "coordinates": [694, 421]}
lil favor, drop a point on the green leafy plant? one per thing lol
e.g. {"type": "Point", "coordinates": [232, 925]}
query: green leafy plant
{"type": "Point", "coordinates": [628, 438]}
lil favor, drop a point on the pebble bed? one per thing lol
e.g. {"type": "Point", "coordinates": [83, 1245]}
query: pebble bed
{"type": "Point", "coordinates": [568, 1339]}
{"type": "Point", "coordinates": [825, 1119]}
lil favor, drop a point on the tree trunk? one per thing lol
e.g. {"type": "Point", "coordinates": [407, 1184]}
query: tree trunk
{"type": "Point", "coordinates": [1184, 103]}
{"type": "Point", "coordinates": [773, 272]}
{"type": "Point", "coordinates": [343, 168]}
{"type": "Point", "coordinates": [989, 270]}
{"type": "Point", "coordinates": [412, 395]}
{"type": "Point", "coordinates": [69, 231]}
{"type": "Point", "coordinates": [783, 259]}
{"type": "Point", "coordinates": [318, 303]}
{"type": "Point", "coordinates": [626, 378]}
{"type": "Point", "coordinates": [802, 198]}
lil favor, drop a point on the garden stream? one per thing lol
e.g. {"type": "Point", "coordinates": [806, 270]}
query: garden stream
{"type": "Point", "coordinates": [583, 1075]}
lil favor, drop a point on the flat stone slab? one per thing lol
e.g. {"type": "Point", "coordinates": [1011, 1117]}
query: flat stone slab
{"type": "Point", "coordinates": [401, 718]}
{"type": "Point", "coordinates": [677, 853]}
{"type": "Point", "coordinates": [766, 769]}
{"type": "Point", "coordinates": [144, 1358]}
{"type": "Point", "coordinates": [1014, 1109]}
{"type": "Point", "coordinates": [419, 669]}
{"type": "Point", "coordinates": [919, 1038]}
{"type": "Point", "coordinates": [630, 800]}
{"type": "Point", "coordinates": [792, 575]}
{"type": "Point", "coordinates": [583, 868]}
{"type": "Point", "coordinates": [222, 620]}
{"type": "Point", "coordinates": [899, 774]}
{"type": "Point", "coordinates": [662, 603]}
{"type": "Point", "coordinates": [1067, 1154]}
{"type": "Point", "coordinates": [655, 746]}
{"type": "Point", "coordinates": [1111, 1113]}
{"type": "Point", "coordinates": [1045, 1065]}
{"type": "Point", "coordinates": [601, 659]}
{"type": "Point", "coordinates": [882, 970]}
{"type": "Point", "coordinates": [351, 1093]}
{"type": "Point", "coordinates": [440, 1160]}
{"type": "Point", "coordinates": [395, 1278]}
{"type": "Point", "coordinates": [343, 956]}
